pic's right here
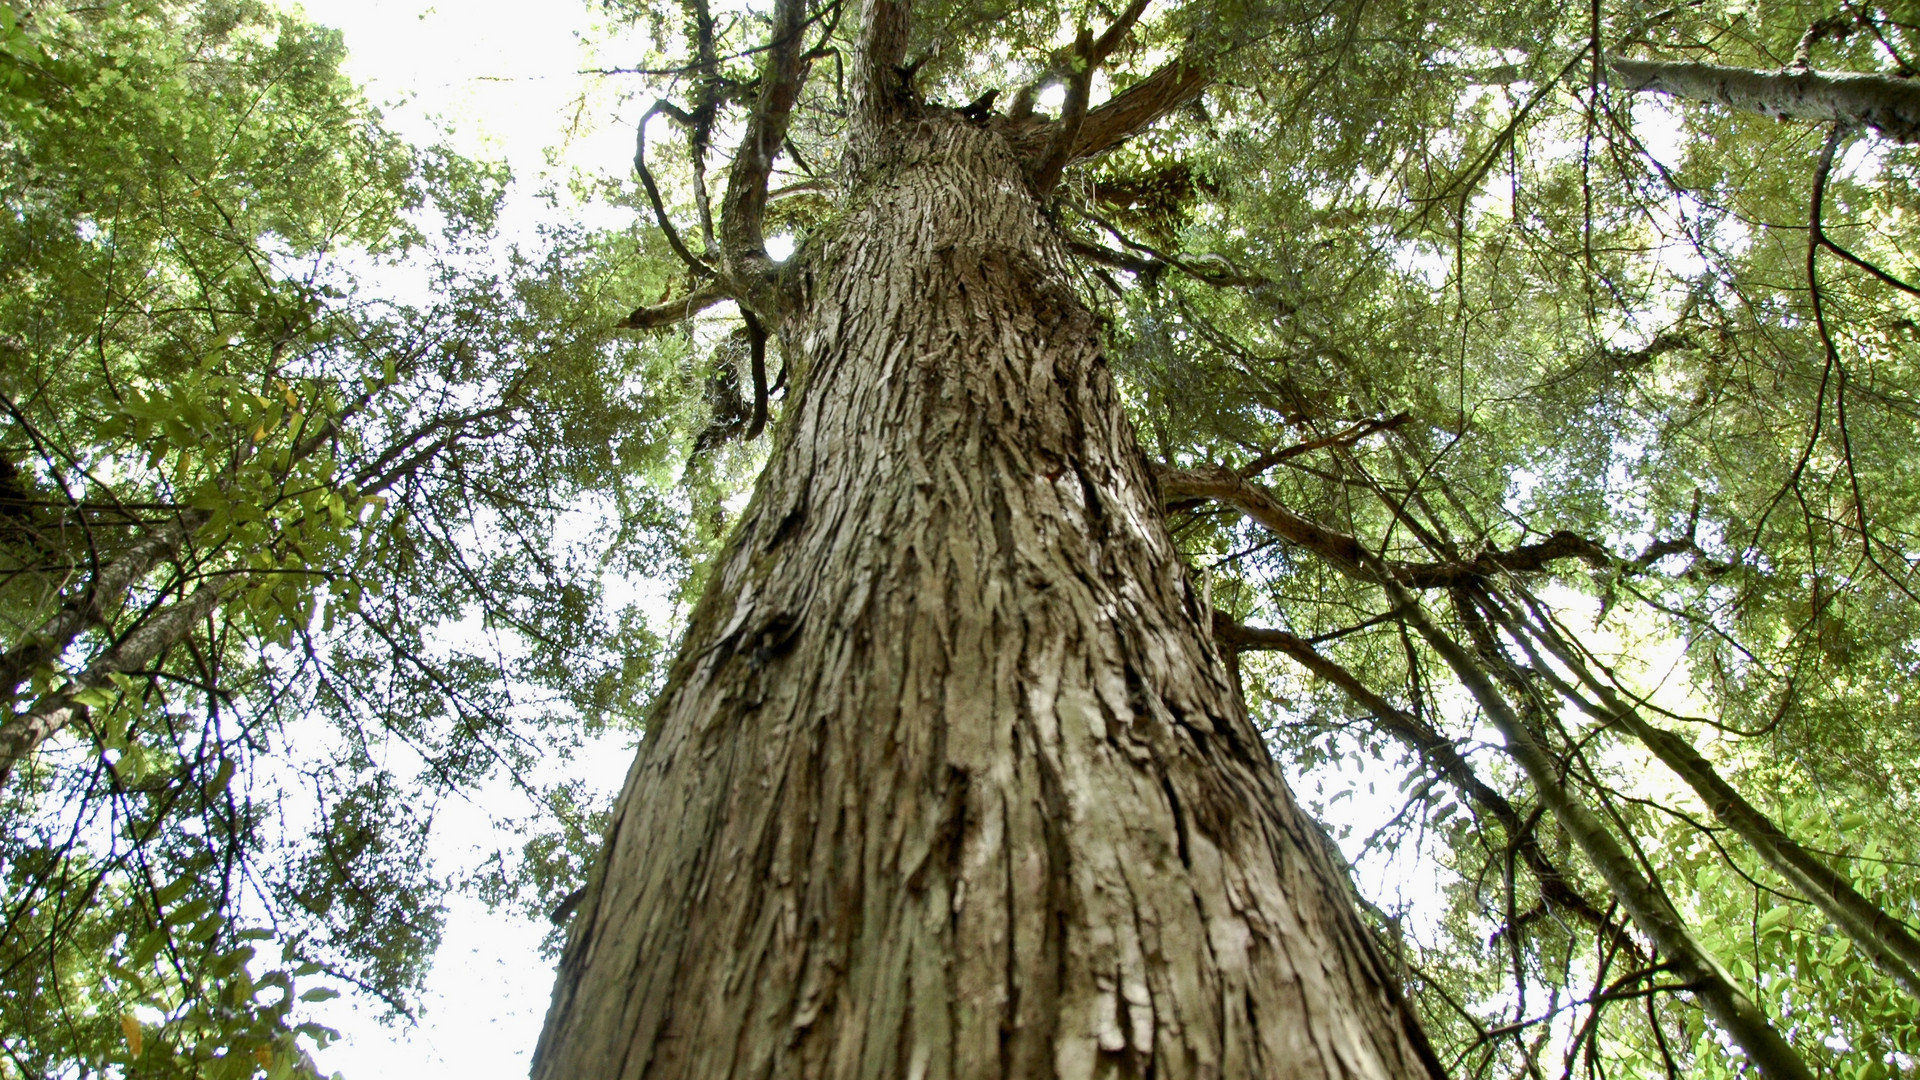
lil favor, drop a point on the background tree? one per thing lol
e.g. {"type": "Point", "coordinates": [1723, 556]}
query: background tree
{"type": "Point", "coordinates": [284, 561]}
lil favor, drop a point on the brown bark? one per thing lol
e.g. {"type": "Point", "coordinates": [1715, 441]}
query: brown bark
{"type": "Point", "coordinates": [105, 591]}
{"type": "Point", "coordinates": [948, 780]}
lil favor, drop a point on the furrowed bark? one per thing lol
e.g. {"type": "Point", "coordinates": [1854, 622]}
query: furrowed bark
{"type": "Point", "coordinates": [1709, 981]}
{"type": "Point", "coordinates": [947, 780]}
{"type": "Point", "coordinates": [23, 734]}
{"type": "Point", "coordinates": [1887, 941]}
{"type": "Point", "coordinates": [1888, 105]}
{"type": "Point", "coordinates": [878, 87]}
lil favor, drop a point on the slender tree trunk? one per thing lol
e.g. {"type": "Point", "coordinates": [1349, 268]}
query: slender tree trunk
{"type": "Point", "coordinates": [22, 734]}
{"type": "Point", "coordinates": [948, 780]}
{"type": "Point", "coordinates": [1712, 985]}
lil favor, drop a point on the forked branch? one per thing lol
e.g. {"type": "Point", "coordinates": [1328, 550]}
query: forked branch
{"type": "Point", "coordinates": [1089, 53]}
{"type": "Point", "coordinates": [699, 266]}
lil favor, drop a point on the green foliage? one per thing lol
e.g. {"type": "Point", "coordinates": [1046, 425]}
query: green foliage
{"type": "Point", "coordinates": [300, 558]}
{"type": "Point", "coordinates": [1422, 271]}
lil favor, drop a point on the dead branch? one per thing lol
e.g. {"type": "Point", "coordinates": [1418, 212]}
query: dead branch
{"type": "Point", "coordinates": [697, 265]}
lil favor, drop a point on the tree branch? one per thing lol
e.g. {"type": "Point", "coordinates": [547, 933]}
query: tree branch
{"type": "Point", "coordinates": [743, 245]}
{"type": "Point", "coordinates": [1890, 943]}
{"type": "Point", "coordinates": [1132, 110]}
{"type": "Point", "coordinates": [668, 312]}
{"type": "Point", "coordinates": [1716, 989]}
{"type": "Point", "coordinates": [1351, 435]}
{"type": "Point", "coordinates": [1445, 758]}
{"type": "Point", "coordinates": [22, 734]}
{"type": "Point", "coordinates": [1888, 105]}
{"type": "Point", "coordinates": [1348, 553]}
{"type": "Point", "coordinates": [697, 265]}
{"type": "Point", "coordinates": [757, 360]}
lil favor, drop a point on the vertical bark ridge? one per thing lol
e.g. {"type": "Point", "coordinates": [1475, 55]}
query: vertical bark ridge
{"type": "Point", "coordinates": [947, 780]}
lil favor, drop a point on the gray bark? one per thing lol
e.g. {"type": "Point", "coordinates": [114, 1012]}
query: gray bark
{"type": "Point", "coordinates": [1886, 104]}
{"type": "Point", "coordinates": [105, 591]}
{"type": "Point", "coordinates": [948, 779]}
{"type": "Point", "coordinates": [21, 735]}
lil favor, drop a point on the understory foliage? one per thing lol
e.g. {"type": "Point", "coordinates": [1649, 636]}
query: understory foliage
{"type": "Point", "coordinates": [1493, 402]}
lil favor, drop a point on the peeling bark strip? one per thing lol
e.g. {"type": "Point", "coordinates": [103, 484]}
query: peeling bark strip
{"type": "Point", "coordinates": [947, 780]}
{"type": "Point", "coordinates": [1888, 105]}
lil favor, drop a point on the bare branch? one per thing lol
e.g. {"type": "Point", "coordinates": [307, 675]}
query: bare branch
{"type": "Point", "coordinates": [668, 312]}
{"type": "Point", "coordinates": [1717, 990]}
{"type": "Point", "coordinates": [694, 263]}
{"type": "Point", "coordinates": [1440, 753]}
{"type": "Point", "coordinates": [1346, 437]}
{"type": "Point", "coordinates": [1888, 105]}
{"type": "Point", "coordinates": [1348, 554]}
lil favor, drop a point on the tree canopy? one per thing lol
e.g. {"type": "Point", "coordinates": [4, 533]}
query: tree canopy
{"type": "Point", "coordinates": [1531, 391]}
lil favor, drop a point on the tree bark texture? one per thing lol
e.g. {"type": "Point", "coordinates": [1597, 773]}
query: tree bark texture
{"type": "Point", "coordinates": [948, 779]}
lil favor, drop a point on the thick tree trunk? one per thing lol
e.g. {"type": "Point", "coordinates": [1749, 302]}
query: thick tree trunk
{"type": "Point", "coordinates": [948, 780]}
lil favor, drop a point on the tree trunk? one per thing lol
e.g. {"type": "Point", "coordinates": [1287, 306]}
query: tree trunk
{"type": "Point", "coordinates": [948, 780]}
